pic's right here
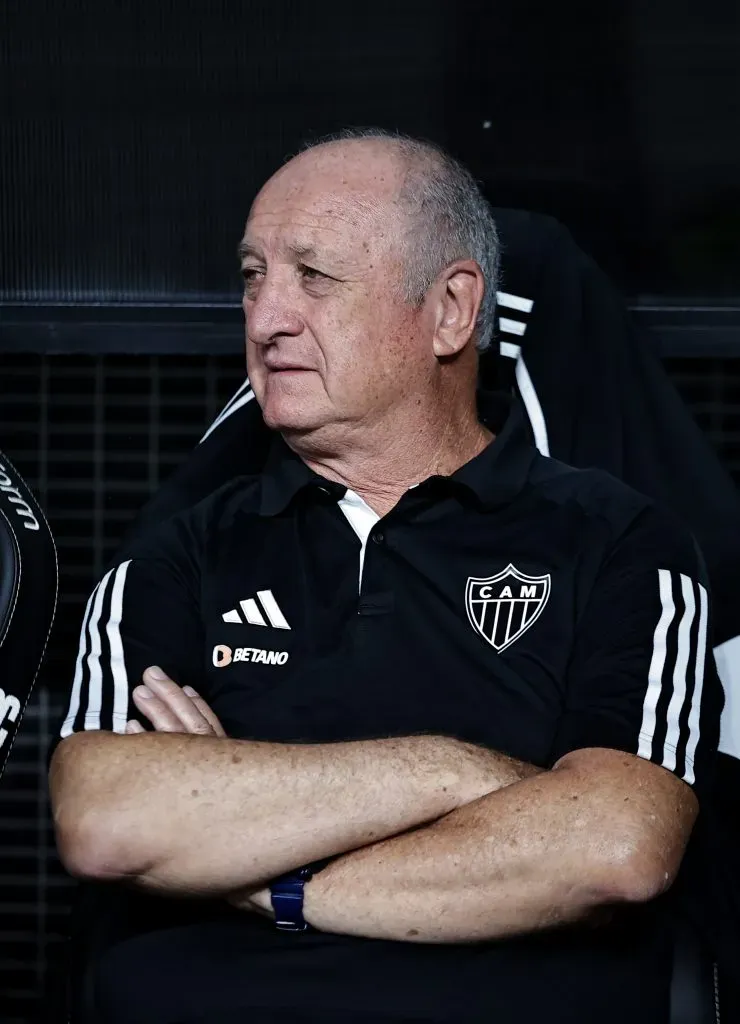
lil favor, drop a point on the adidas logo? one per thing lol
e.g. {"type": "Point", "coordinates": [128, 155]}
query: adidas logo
{"type": "Point", "coordinates": [254, 614]}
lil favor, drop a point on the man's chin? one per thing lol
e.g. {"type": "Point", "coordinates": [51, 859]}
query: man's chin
{"type": "Point", "coordinates": [294, 402]}
{"type": "Point", "coordinates": [292, 417]}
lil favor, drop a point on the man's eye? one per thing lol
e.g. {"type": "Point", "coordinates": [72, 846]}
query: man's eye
{"type": "Point", "coordinates": [252, 276]}
{"type": "Point", "coordinates": [311, 273]}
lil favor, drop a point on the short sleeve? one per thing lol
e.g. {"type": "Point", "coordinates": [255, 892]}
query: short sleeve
{"type": "Point", "coordinates": [639, 677]}
{"type": "Point", "coordinates": [144, 611]}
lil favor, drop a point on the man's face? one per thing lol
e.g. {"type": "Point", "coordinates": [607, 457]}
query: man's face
{"type": "Point", "coordinates": [330, 341]}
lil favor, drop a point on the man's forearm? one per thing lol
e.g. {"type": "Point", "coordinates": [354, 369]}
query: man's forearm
{"type": "Point", "coordinates": [460, 879]}
{"type": "Point", "coordinates": [198, 814]}
{"type": "Point", "coordinates": [547, 851]}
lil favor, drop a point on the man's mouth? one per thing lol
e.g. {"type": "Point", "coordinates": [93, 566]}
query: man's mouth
{"type": "Point", "coordinates": [286, 368]}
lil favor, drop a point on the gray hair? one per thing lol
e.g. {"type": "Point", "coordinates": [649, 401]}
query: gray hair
{"type": "Point", "coordinates": [449, 219]}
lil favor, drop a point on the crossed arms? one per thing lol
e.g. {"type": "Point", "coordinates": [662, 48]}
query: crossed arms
{"type": "Point", "coordinates": [436, 840]}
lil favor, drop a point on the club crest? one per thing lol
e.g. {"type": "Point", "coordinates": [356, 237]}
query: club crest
{"type": "Point", "coordinates": [502, 607]}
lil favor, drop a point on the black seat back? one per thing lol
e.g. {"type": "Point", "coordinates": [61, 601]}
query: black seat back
{"type": "Point", "coordinates": [28, 594]}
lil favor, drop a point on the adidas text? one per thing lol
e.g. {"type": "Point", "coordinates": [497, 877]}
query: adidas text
{"type": "Point", "coordinates": [223, 655]}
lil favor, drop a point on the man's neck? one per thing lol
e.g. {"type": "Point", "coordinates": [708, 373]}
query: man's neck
{"type": "Point", "coordinates": [381, 465]}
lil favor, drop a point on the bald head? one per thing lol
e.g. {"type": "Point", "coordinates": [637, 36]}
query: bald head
{"type": "Point", "coordinates": [369, 170]}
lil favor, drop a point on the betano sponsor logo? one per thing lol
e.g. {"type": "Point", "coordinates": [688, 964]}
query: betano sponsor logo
{"type": "Point", "coordinates": [223, 656]}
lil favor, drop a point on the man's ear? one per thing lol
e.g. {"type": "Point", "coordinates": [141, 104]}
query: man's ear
{"type": "Point", "coordinates": [460, 295]}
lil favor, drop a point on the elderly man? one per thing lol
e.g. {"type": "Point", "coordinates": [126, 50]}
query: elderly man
{"type": "Point", "coordinates": [426, 713]}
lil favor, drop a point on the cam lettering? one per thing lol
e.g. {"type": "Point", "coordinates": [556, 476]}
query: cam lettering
{"type": "Point", "coordinates": [486, 593]}
{"type": "Point", "coordinates": [22, 506]}
{"type": "Point", "coordinates": [223, 656]}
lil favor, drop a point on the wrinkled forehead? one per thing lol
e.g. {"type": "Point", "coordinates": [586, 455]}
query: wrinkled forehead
{"type": "Point", "coordinates": [344, 208]}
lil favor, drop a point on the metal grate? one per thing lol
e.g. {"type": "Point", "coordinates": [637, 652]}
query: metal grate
{"type": "Point", "coordinates": [95, 436]}
{"type": "Point", "coordinates": [711, 390]}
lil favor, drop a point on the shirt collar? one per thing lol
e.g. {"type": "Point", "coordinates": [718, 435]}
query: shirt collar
{"type": "Point", "coordinates": [285, 475]}
{"type": "Point", "coordinates": [495, 476]}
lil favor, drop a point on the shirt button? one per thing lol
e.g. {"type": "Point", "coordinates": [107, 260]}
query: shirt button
{"type": "Point", "coordinates": [378, 537]}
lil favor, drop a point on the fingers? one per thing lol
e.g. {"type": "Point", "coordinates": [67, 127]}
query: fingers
{"type": "Point", "coordinates": [157, 710]}
{"type": "Point", "coordinates": [172, 709]}
{"type": "Point", "coordinates": [201, 705]}
{"type": "Point", "coordinates": [133, 726]}
{"type": "Point", "coordinates": [251, 901]}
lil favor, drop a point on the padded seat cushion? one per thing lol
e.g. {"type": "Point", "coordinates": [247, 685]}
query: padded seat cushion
{"type": "Point", "coordinates": [28, 594]}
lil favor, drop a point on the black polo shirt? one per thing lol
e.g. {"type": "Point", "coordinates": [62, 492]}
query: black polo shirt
{"type": "Point", "coordinates": [519, 604]}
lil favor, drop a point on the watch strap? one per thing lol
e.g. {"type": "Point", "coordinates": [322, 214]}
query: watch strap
{"type": "Point", "coordinates": [287, 894]}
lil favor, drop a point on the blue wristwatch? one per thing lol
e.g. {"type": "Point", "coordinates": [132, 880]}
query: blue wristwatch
{"type": "Point", "coordinates": [286, 894]}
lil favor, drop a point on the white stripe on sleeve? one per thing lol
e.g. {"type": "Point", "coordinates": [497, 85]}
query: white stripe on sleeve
{"type": "Point", "coordinates": [657, 664]}
{"type": "Point", "coordinates": [695, 713]}
{"type": "Point", "coordinates": [95, 691]}
{"type": "Point", "coordinates": [74, 701]}
{"type": "Point", "coordinates": [672, 735]}
{"type": "Point", "coordinates": [117, 663]}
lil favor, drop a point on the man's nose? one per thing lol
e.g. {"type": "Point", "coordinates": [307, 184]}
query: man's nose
{"type": "Point", "coordinates": [272, 313]}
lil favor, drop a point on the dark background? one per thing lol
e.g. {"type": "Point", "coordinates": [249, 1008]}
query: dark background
{"type": "Point", "coordinates": [133, 137]}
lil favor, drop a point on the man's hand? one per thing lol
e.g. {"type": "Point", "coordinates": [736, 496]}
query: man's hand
{"type": "Point", "coordinates": [171, 708]}
{"type": "Point", "coordinates": [256, 901]}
